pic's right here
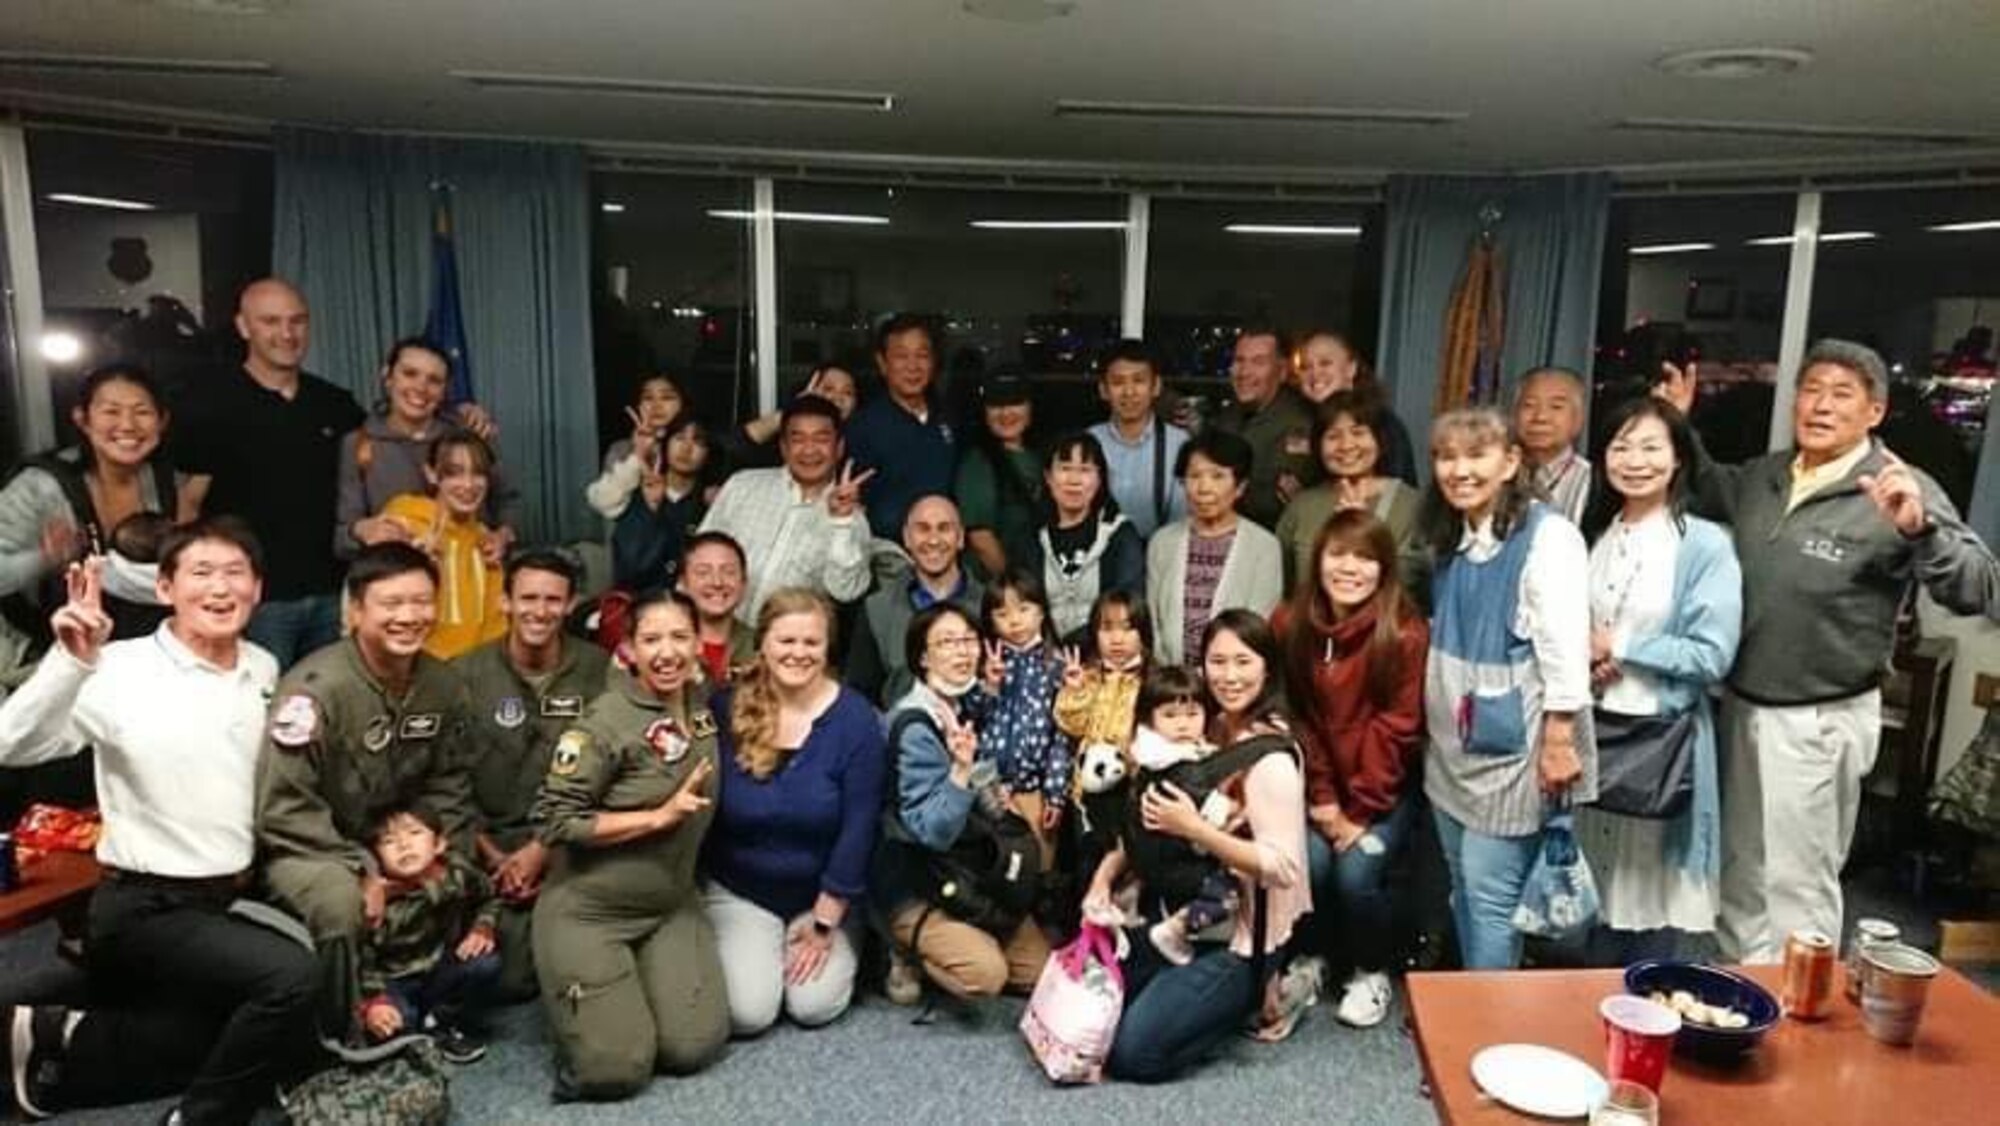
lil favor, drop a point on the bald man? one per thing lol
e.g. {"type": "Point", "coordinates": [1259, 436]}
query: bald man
{"type": "Point", "coordinates": [261, 442]}
{"type": "Point", "coordinates": [934, 540]}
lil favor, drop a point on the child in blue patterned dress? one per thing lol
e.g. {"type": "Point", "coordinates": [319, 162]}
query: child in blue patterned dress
{"type": "Point", "coordinates": [1022, 675]}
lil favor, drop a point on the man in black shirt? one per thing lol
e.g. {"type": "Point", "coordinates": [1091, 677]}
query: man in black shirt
{"type": "Point", "coordinates": [262, 443]}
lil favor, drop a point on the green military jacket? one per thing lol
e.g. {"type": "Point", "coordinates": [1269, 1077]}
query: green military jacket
{"type": "Point", "coordinates": [515, 725]}
{"type": "Point", "coordinates": [423, 922]}
{"type": "Point", "coordinates": [339, 749]}
{"type": "Point", "coordinates": [630, 751]}
{"type": "Point", "coordinates": [1280, 437]}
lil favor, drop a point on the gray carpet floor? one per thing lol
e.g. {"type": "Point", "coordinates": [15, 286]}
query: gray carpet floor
{"type": "Point", "coordinates": [966, 1066]}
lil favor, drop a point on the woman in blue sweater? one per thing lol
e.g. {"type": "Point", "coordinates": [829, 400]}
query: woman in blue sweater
{"type": "Point", "coordinates": [788, 855]}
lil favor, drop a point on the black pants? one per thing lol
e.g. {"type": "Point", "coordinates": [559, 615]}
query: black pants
{"type": "Point", "coordinates": [196, 1001]}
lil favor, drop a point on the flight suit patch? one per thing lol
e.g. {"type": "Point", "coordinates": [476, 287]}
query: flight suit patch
{"type": "Point", "coordinates": [511, 713]}
{"type": "Point", "coordinates": [667, 740]}
{"type": "Point", "coordinates": [562, 707]}
{"type": "Point", "coordinates": [295, 721]}
{"type": "Point", "coordinates": [703, 723]}
{"type": "Point", "coordinates": [569, 753]}
{"type": "Point", "coordinates": [380, 730]}
{"type": "Point", "coordinates": [422, 725]}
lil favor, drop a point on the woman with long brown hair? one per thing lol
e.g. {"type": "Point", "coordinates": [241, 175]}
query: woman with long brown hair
{"type": "Point", "coordinates": [802, 765]}
{"type": "Point", "coordinates": [1354, 651]}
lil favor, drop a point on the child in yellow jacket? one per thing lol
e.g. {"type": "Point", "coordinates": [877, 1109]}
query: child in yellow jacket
{"type": "Point", "coordinates": [447, 525]}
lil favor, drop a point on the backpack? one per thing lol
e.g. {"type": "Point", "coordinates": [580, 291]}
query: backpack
{"type": "Point", "coordinates": [400, 1082]}
{"type": "Point", "coordinates": [28, 609]}
{"type": "Point", "coordinates": [1170, 868]}
{"type": "Point", "coordinates": [990, 877]}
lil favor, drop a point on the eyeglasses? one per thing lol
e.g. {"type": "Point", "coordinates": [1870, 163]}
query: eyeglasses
{"type": "Point", "coordinates": [964, 641]}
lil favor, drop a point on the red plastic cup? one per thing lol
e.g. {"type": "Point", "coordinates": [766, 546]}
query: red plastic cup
{"type": "Point", "coordinates": [1638, 1038]}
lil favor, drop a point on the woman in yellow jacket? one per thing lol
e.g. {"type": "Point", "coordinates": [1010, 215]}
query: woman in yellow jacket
{"type": "Point", "coordinates": [447, 524]}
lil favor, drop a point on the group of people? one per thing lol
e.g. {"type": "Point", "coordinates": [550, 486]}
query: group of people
{"type": "Point", "coordinates": [948, 692]}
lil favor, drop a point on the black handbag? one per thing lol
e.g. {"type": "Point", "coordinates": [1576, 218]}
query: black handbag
{"type": "Point", "coordinates": [1645, 763]}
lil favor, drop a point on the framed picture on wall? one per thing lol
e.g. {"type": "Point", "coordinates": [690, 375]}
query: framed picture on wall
{"type": "Point", "coordinates": [1711, 299]}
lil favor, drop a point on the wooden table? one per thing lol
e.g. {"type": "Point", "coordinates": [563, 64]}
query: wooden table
{"type": "Point", "coordinates": [1822, 1072]}
{"type": "Point", "coordinates": [47, 886]}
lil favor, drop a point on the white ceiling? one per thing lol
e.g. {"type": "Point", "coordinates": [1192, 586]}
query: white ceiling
{"type": "Point", "coordinates": [1541, 80]}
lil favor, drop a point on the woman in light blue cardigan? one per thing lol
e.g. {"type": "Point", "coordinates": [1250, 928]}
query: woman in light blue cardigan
{"type": "Point", "coordinates": [1666, 598]}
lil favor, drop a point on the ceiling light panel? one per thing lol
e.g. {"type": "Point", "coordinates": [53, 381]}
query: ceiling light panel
{"type": "Point", "coordinates": [1671, 248]}
{"type": "Point", "coordinates": [137, 65]}
{"type": "Point", "coordinates": [1962, 228]}
{"type": "Point", "coordinates": [805, 217]}
{"type": "Point", "coordinates": [1048, 224]}
{"type": "Point", "coordinates": [1307, 230]}
{"type": "Point", "coordinates": [1176, 111]}
{"type": "Point", "coordinates": [791, 96]}
{"type": "Point", "coordinates": [109, 203]}
{"type": "Point", "coordinates": [1798, 131]}
{"type": "Point", "coordinates": [1830, 236]}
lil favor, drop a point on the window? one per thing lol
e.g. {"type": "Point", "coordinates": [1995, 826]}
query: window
{"type": "Point", "coordinates": [144, 245]}
{"type": "Point", "coordinates": [1928, 299]}
{"type": "Point", "coordinates": [672, 292]}
{"type": "Point", "coordinates": [1685, 279]}
{"type": "Point", "coordinates": [1294, 265]}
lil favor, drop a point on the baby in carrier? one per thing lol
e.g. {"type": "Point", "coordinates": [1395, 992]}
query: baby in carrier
{"type": "Point", "coordinates": [1171, 748]}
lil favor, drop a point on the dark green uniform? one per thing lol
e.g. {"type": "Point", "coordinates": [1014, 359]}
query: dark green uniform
{"type": "Point", "coordinates": [515, 723]}
{"type": "Point", "coordinates": [1280, 437]}
{"type": "Point", "coordinates": [627, 960]}
{"type": "Point", "coordinates": [339, 749]}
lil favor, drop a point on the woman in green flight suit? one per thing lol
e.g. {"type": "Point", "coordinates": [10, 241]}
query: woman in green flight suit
{"type": "Point", "coordinates": [624, 951]}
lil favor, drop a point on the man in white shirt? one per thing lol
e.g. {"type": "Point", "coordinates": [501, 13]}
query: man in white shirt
{"type": "Point", "coordinates": [800, 524]}
{"type": "Point", "coordinates": [1139, 446]}
{"type": "Point", "coordinates": [176, 719]}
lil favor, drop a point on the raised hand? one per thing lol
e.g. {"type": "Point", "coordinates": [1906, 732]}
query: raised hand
{"type": "Point", "coordinates": [80, 624]}
{"type": "Point", "coordinates": [380, 529]}
{"type": "Point", "coordinates": [689, 799]}
{"type": "Point", "coordinates": [473, 417]}
{"type": "Point", "coordinates": [1072, 660]}
{"type": "Point", "coordinates": [846, 495]}
{"type": "Point", "coordinates": [494, 545]}
{"type": "Point", "coordinates": [960, 740]}
{"type": "Point", "coordinates": [1677, 385]}
{"type": "Point", "coordinates": [993, 670]}
{"type": "Point", "coordinates": [1897, 495]}
{"type": "Point", "coordinates": [645, 442]}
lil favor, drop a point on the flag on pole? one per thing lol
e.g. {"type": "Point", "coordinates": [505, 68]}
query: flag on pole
{"type": "Point", "coordinates": [445, 327]}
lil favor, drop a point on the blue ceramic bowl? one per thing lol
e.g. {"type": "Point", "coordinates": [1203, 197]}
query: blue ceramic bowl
{"type": "Point", "coordinates": [1711, 986]}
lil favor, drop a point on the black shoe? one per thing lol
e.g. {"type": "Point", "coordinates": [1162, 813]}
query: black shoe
{"type": "Point", "coordinates": [34, 1057]}
{"type": "Point", "coordinates": [457, 1045]}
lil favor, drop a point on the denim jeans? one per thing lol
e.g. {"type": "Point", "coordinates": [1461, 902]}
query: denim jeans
{"type": "Point", "coordinates": [450, 988]}
{"type": "Point", "coordinates": [1351, 889]}
{"type": "Point", "coordinates": [1487, 875]}
{"type": "Point", "coordinates": [1176, 1015]}
{"type": "Point", "coordinates": [294, 627]}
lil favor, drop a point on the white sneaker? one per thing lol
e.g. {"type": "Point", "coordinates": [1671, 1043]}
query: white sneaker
{"type": "Point", "coordinates": [1365, 1001]}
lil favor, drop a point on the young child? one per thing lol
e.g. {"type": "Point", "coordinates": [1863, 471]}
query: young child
{"type": "Point", "coordinates": [1173, 732]}
{"type": "Point", "coordinates": [431, 961]}
{"type": "Point", "coordinates": [1096, 706]}
{"type": "Point", "coordinates": [647, 536]}
{"type": "Point", "coordinates": [448, 525]}
{"type": "Point", "coordinates": [1017, 729]}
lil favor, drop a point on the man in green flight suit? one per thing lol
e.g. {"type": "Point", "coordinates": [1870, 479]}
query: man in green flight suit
{"type": "Point", "coordinates": [630, 976]}
{"type": "Point", "coordinates": [524, 690]}
{"type": "Point", "coordinates": [368, 722]}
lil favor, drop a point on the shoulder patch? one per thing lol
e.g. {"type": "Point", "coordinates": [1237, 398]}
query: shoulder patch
{"type": "Point", "coordinates": [569, 753]}
{"type": "Point", "coordinates": [295, 721]}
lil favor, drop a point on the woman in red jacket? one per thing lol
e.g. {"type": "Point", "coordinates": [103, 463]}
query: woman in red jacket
{"type": "Point", "coordinates": [1354, 650]}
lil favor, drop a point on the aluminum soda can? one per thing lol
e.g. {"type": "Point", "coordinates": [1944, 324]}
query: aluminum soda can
{"type": "Point", "coordinates": [1808, 980]}
{"type": "Point", "coordinates": [1867, 933]}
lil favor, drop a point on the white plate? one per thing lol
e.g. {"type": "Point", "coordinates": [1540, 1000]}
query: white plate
{"type": "Point", "coordinates": [1538, 1080]}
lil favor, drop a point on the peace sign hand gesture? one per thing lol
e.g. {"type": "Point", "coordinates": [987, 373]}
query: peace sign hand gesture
{"type": "Point", "coordinates": [1897, 495]}
{"type": "Point", "coordinates": [994, 669]}
{"type": "Point", "coordinates": [960, 740]}
{"type": "Point", "coordinates": [80, 624]}
{"type": "Point", "coordinates": [643, 438]}
{"type": "Point", "coordinates": [846, 495]}
{"type": "Point", "coordinates": [1677, 385]}
{"type": "Point", "coordinates": [1072, 661]}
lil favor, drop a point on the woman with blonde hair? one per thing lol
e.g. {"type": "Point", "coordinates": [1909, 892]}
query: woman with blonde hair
{"type": "Point", "coordinates": [802, 765]}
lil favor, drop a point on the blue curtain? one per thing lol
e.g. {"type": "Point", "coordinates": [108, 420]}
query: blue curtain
{"type": "Point", "coordinates": [353, 231]}
{"type": "Point", "coordinates": [1551, 241]}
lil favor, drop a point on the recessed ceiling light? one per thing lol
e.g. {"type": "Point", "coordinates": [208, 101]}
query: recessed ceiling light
{"type": "Point", "coordinates": [1735, 63]}
{"type": "Point", "coordinates": [610, 208]}
{"type": "Point", "coordinates": [1320, 115]}
{"type": "Point", "coordinates": [1311, 230]}
{"type": "Point", "coordinates": [805, 217]}
{"type": "Point", "coordinates": [136, 64]}
{"type": "Point", "coordinates": [1671, 248]}
{"type": "Point", "coordinates": [1019, 11]}
{"type": "Point", "coordinates": [111, 202]}
{"type": "Point", "coordinates": [220, 7]}
{"type": "Point", "coordinates": [1048, 224]}
{"type": "Point", "coordinates": [1974, 225]}
{"type": "Point", "coordinates": [686, 91]}
{"type": "Point", "coordinates": [1798, 131]}
{"type": "Point", "coordinates": [1831, 236]}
